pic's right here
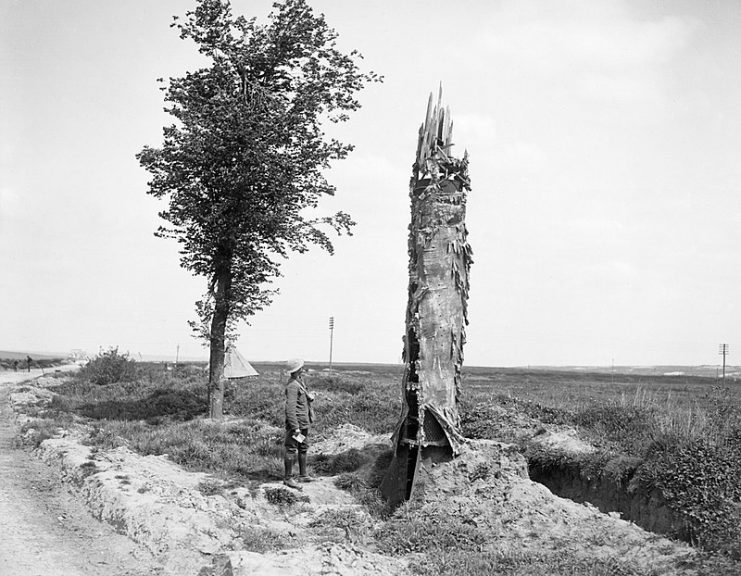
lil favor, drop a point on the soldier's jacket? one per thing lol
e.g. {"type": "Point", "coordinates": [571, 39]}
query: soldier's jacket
{"type": "Point", "coordinates": [298, 407]}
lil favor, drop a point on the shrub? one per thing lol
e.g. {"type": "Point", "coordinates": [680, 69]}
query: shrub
{"type": "Point", "coordinates": [109, 367]}
{"type": "Point", "coordinates": [699, 481]}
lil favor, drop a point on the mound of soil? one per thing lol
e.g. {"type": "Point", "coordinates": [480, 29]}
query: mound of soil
{"type": "Point", "coordinates": [487, 486]}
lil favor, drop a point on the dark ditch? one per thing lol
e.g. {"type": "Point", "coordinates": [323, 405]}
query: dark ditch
{"type": "Point", "coordinates": [647, 510]}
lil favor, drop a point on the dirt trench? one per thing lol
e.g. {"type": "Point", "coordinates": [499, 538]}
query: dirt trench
{"type": "Point", "coordinates": [647, 510]}
{"type": "Point", "coordinates": [613, 492]}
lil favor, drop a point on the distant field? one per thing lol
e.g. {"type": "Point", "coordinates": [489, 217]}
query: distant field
{"type": "Point", "coordinates": [707, 370]}
{"type": "Point", "coordinates": [6, 355]}
{"type": "Point", "coordinates": [574, 389]}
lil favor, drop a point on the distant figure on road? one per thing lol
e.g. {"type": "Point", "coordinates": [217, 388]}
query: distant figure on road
{"type": "Point", "coordinates": [28, 363]}
{"type": "Point", "coordinates": [299, 416]}
{"type": "Point", "coordinates": [15, 365]}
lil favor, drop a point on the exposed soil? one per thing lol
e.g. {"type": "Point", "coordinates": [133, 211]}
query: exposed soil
{"type": "Point", "coordinates": [488, 484]}
{"type": "Point", "coordinates": [649, 511]}
{"type": "Point", "coordinates": [45, 529]}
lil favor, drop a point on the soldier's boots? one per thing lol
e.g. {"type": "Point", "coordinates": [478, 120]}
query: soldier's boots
{"type": "Point", "coordinates": [303, 475]}
{"type": "Point", "coordinates": [288, 477]}
{"type": "Point", "coordinates": [291, 483]}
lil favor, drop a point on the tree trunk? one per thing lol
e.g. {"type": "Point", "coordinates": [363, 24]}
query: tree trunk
{"type": "Point", "coordinates": [439, 262]}
{"type": "Point", "coordinates": [218, 334]}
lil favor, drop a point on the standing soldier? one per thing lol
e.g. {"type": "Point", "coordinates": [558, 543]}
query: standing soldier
{"type": "Point", "coordinates": [299, 416]}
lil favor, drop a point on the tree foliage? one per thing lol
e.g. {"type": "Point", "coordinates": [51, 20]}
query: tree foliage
{"type": "Point", "coordinates": [245, 159]}
{"type": "Point", "coordinates": [248, 153]}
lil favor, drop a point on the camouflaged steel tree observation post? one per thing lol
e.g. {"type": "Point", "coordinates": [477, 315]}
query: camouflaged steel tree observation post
{"type": "Point", "coordinates": [436, 316]}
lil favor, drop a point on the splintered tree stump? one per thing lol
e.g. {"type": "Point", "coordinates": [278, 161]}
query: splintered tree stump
{"type": "Point", "coordinates": [436, 316]}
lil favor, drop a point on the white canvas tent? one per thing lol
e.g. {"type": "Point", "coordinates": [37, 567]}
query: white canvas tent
{"type": "Point", "coordinates": [235, 366]}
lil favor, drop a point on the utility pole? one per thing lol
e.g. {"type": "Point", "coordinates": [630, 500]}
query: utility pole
{"type": "Point", "coordinates": [723, 351]}
{"type": "Point", "coordinates": [331, 339]}
{"type": "Point", "coordinates": [177, 357]}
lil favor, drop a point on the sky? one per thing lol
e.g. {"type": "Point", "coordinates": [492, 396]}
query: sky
{"type": "Point", "coordinates": [604, 215]}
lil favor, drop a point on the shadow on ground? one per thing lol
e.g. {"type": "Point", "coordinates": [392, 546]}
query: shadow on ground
{"type": "Point", "coordinates": [161, 404]}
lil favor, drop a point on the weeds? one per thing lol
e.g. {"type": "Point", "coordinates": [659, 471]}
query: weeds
{"type": "Point", "coordinates": [340, 525]}
{"type": "Point", "coordinates": [461, 563]}
{"type": "Point", "coordinates": [262, 540]}
{"type": "Point", "coordinates": [409, 533]}
{"type": "Point", "coordinates": [284, 497]}
{"type": "Point", "coordinates": [335, 464]}
{"type": "Point", "coordinates": [211, 488]}
{"type": "Point", "coordinates": [33, 433]}
{"type": "Point", "coordinates": [350, 482]}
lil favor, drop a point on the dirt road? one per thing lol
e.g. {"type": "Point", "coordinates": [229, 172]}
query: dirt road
{"type": "Point", "coordinates": [45, 530]}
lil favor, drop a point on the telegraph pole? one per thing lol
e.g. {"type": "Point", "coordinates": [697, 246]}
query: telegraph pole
{"type": "Point", "coordinates": [331, 339]}
{"type": "Point", "coordinates": [723, 351]}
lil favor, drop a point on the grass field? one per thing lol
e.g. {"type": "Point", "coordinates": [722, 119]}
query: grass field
{"type": "Point", "coordinates": [679, 435]}
{"type": "Point", "coordinates": [17, 360]}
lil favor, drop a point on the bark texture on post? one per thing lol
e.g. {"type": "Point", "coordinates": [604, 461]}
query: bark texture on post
{"type": "Point", "coordinates": [439, 263]}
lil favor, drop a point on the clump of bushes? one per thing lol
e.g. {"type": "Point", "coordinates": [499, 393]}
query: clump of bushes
{"type": "Point", "coordinates": [700, 481]}
{"type": "Point", "coordinates": [109, 367]}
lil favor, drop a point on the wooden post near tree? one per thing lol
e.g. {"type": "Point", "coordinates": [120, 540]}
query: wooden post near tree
{"type": "Point", "coordinates": [436, 316]}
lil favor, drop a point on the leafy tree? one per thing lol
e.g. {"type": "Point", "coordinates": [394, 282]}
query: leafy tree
{"type": "Point", "coordinates": [246, 157]}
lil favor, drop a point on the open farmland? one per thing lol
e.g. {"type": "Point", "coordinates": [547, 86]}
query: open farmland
{"type": "Point", "coordinates": [662, 451]}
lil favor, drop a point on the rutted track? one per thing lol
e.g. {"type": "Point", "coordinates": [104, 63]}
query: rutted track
{"type": "Point", "coordinates": [46, 531]}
